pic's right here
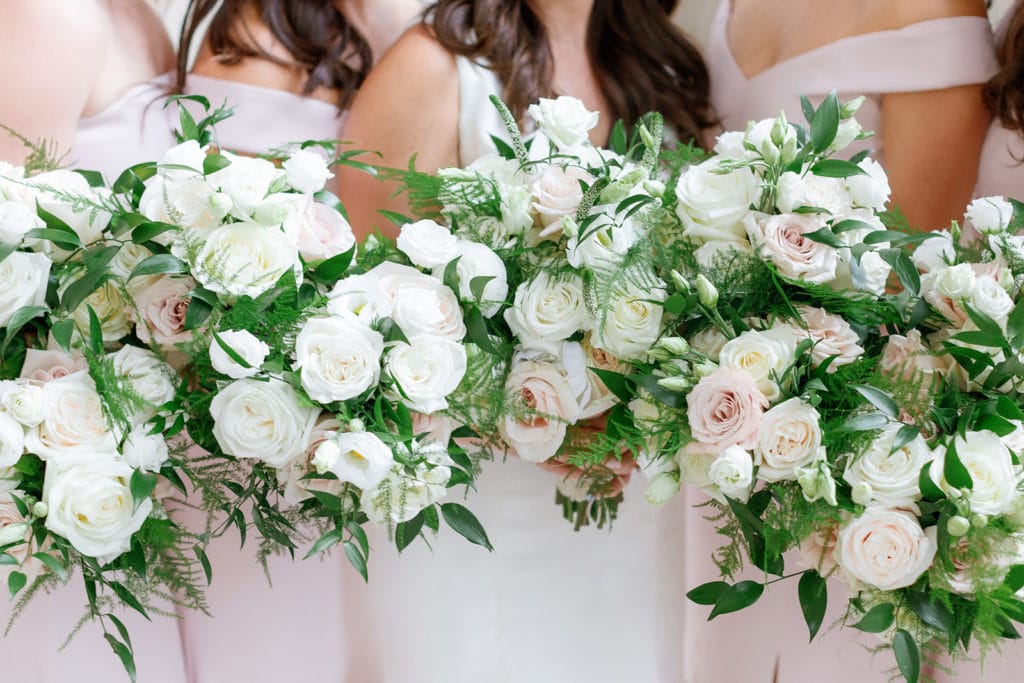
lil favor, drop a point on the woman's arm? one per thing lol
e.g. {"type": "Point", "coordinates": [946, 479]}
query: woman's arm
{"type": "Point", "coordinates": [932, 148]}
{"type": "Point", "coordinates": [51, 57]}
{"type": "Point", "coordinates": [408, 105]}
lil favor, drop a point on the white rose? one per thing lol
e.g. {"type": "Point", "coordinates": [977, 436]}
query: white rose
{"type": "Point", "coordinates": [604, 243]}
{"type": "Point", "coordinates": [781, 239]}
{"type": "Point", "coordinates": [245, 344]}
{"type": "Point", "coordinates": [110, 307]}
{"type": "Point", "coordinates": [893, 476]}
{"type": "Point", "coordinates": [357, 457]}
{"type": "Point", "coordinates": [730, 145]}
{"type": "Point", "coordinates": [762, 355]}
{"type": "Point", "coordinates": [316, 230]}
{"type": "Point", "coordinates": [873, 274]}
{"type": "Point", "coordinates": [420, 304]}
{"type": "Point", "coordinates": [427, 370]}
{"type": "Point", "coordinates": [989, 214]}
{"type": "Point", "coordinates": [709, 342]}
{"type": "Point", "coordinates": [306, 171]}
{"type": "Point", "coordinates": [86, 222]}
{"type": "Point", "coordinates": [545, 405]}
{"type": "Point", "coordinates": [936, 253]}
{"type": "Point", "coordinates": [956, 282]}
{"type": "Point", "coordinates": [360, 296]}
{"type": "Point", "coordinates": [12, 440]}
{"type": "Point", "coordinates": [712, 205]}
{"type": "Point", "coordinates": [244, 259]}
{"type": "Point", "coordinates": [23, 281]}
{"type": "Point", "coordinates": [427, 244]}
{"type": "Point", "coordinates": [477, 260]}
{"type": "Point", "coordinates": [694, 466]}
{"type": "Point", "coordinates": [566, 121]}
{"type": "Point", "coordinates": [632, 324]}
{"type": "Point", "coordinates": [74, 419]}
{"type": "Point", "coordinates": [188, 201]}
{"type": "Point", "coordinates": [339, 358]}
{"type": "Point", "coordinates": [733, 473]}
{"type": "Point", "coordinates": [557, 193]}
{"type": "Point", "coordinates": [246, 180]}
{"type": "Point", "coordinates": [188, 154]}
{"type": "Point", "coordinates": [15, 220]}
{"type": "Point", "coordinates": [990, 298]}
{"type": "Point", "coordinates": [144, 451]}
{"type": "Point", "coordinates": [869, 190]}
{"type": "Point", "coordinates": [886, 549]}
{"type": "Point", "coordinates": [151, 379]}
{"type": "Point", "coordinates": [990, 464]}
{"type": "Point", "coordinates": [25, 402]}
{"type": "Point", "coordinates": [789, 438]}
{"type": "Point", "coordinates": [796, 191]}
{"type": "Point", "coordinates": [833, 338]}
{"type": "Point", "coordinates": [1015, 439]}
{"type": "Point", "coordinates": [90, 504]}
{"type": "Point", "coordinates": [546, 311]}
{"type": "Point", "coordinates": [261, 420]}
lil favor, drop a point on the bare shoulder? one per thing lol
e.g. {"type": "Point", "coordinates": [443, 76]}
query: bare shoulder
{"type": "Point", "coordinates": [906, 12]}
{"type": "Point", "coordinates": [79, 24]}
{"type": "Point", "coordinates": [418, 53]}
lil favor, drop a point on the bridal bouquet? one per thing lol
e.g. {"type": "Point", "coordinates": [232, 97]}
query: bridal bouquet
{"type": "Point", "coordinates": [315, 380]}
{"type": "Point", "coordinates": [85, 459]}
{"type": "Point", "coordinates": [549, 244]}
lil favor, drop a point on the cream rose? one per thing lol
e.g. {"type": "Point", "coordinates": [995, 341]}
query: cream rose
{"type": "Point", "coordinates": [360, 458]}
{"type": "Point", "coordinates": [763, 355]}
{"type": "Point", "coordinates": [557, 193]}
{"type": "Point", "coordinates": [246, 345]}
{"type": "Point", "coordinates": [339, 358]}
{"type": "Point", "coordinates": [632, 324]}
{"type": "Point", "coordinates": [188, 201]}
{"type": "Point", "coordinates": [886, 549]}
{"type": "Point", "coordinates": [990, 464]}
{"type": "Point", "coordinates": [892, 476]}
{"type": "Point", "coordinates": [546, 311]}
{"type": "Point", "coordinates": [23, 401]}
{"type": "Point", "coordinates": [544, 405]}
{"type": "Point", "coordinates": [144, 451]}
{"type": "Point", "coordinates": [261, 420]}
{"type": "Point", "coordinates": [306, 171]}
{"type": "Point", "coordinates": [151, 379]}
{"type": "Point", "coordinates": [74, 420]}
{"type": "Point", "coordinates": [789, 438]}
{"type": "Point", "coordinates": [478, 260]}
{"type": "Point", "coordinates": [361, 296]}
{"type": "Point", "coordinates": [420, 304]}
{"type": "Point", "coordinates": [246, 181]}
{"type": "Point", "coordinates": [733, 473]}
{"type": "Point", "coordinates": [725, 409]}
{"type": "Point", "coordinates": [427, 244]}
{"type": "Point", "coordinates": [23, 281]}
{"type": "Point", "coordinates": [565, 121]}
{"type": "Point", "coordinates": [90, 504]}
{"type": "Point", "coordinates": [712, 205]}
{"type": "Point", "coordinates": [781, 239]}
{"type": "Point", "coordinates": [160, 311]}
{"type": "Point", "coordinates": [244, 259]}
{"type": "Point", "coordinates": [426, 370]}
{"type": "Point", "coordinates": [832, 336]}
{"type": "Point", "coordinates": [795, 191]}
{"type": "Point", "coordinates": [111, 308]}
{"type": "Point", "coordinates": [709, 342]}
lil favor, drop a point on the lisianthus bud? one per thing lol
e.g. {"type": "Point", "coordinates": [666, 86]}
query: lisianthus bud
{"type": "Point", "coordinates": [570, 228]}
{"type": "Point", "coordinates": [958, 526]}
{"type": "Point", "coordinates": [655, 188]}
{"type": "Point", "coordinates": [356, 425]}
{"type": "Point", "coordinates": [675, 383]}
{"type": "Point", "coordinates": [861, 493]}
{"type": "Point", "coordinates": [662, 488]}
{"type": "Point", "coordinates": [682, 286]}
{"type": "Point", "coordinates": [659, 354]}
{"type": "Point", "coordinates": [40, 509]}
{"type": "Point", "coordinates": [850, 108]}
{"type": "Point", "coordinates": [707, 293]}
{"type": "Point", "coordinates": [979, 521]}
{"type": "Point", "coordinates": [675, 345]}
{"type": "Point", "coordinates": [326, 454]}
{"type": "Point", "coordinates": [12, 533]}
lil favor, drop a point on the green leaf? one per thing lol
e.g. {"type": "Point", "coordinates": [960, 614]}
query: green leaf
{"type": "Point", "coordinates": [1015, 323]}
{"type": "Point", "coordinates": [878, 398]}
{"type": "Point", "coordinates": [617, 143]}
{"type": "Point", "coordinates": [477, 285]}
{"type": "Point", "coordinates": [813, 594]}
{"type": "Point", "coordinates": [331, 502]}
{"type": "Point", "coordinates": [825, 236]}
{"type": "Point", "coordinates": [205, 562]}
{"type": "Point", "coordinates": [476, 331]}
{"type": "Point", "coordinates": [95, 332]}
{"type": "Point", "coordinates": [995, 424]}
{"type": "Point", "coordinates": [198, 312]}
{"type": "Point", "coordinates": [121, 628]}
{"type": "Point", "coordinates": [466, 524]}
{"type": "Point", "coordinates": [616, 383]}
{"type": "Point", "coordinates": [129, 599]}
{"type": "Point", "coordinates": [356, 559]}
{"type": "Point", "coordinates": [395, 217]}
{"type": "Point", "coordinates": [675, 304]}
{"type": "Point", "coordinates": [62, 331]}
{"type": "Point", "coordinates": [807, 108]}
{"type": "Point", "coordinates": [329, 539]}
{"type": "Point", "coordinates": [929, 489]}
{"type": "Point", "coordinates": [836, 168]}
{"type": "Point", "coordinates": [357, 533]}
{"type": "Point", "coordinates": [708, 593]}
{"type": "Point", "coordinates": [905, 269]}
{"type": "Point", "coordinates": [851, 224]}
{"type": "Point", "coordinates": [81, 288]}
{"type": "Point", "coordinates": [8, 560]}
{"type": "Point", "coordinates": [882, 237]}
{"type": "Point", "coordinates": [1015, 578]}
{"type": "Point", "coordinates": [144, 232]}
{"type": "Point", "coordinates": [908, 657]}
{"type": "Point", "coordinates": [953, 469]}
{"type": "Point", "coordinates": [984, 322]}
{"type": "Point", "coordinates": [825, 123]}
{"type": "Point", "coordinates": [54, 565]}
{"type": "Point", "coordinates": [932, 612]}
{"type": "Point", "coordinates": [407, 532]}
{"type": "Point", "coordinates": [866, 423]}
{"type": "Point", "coordinates": [1008, 409]}
{"type": "Point", "coordinates": [15, 582]}
{"type": "Point", "coordinates": [141, 485]}
{"type": "Point", "coordinates": [160, 264]}
{"type": "Point", "coordinates": [18, 320]}
{"type": "Point", "coordinates": [905, 435]}
{"type": "Point", "coordinates": [99, 257]}
{"type": "Point", "coordinates": [742, 595]}
{"type": "Point", "coordinates": [332, 269]}
{"type": "Point", "coordinates": [878, 619]}
{"type": "Point", "coordinates": [232, 354]}
{"type": "Point", "coordinates": [123, 653]}
{"type": "Point", "coordinates": [215, 162]}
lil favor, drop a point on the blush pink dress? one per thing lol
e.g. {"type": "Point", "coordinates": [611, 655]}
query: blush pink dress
{"type": "Point", "coordinates": [133, 129]}
{"type": "Point", "coordinates": [292, 630]}
{"type": "Point", "coordinates": [1000, 171]}
{"type": "Point", "coordinates": [768, 643]}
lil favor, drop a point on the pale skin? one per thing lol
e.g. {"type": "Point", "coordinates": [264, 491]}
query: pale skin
{"type": "Point", "coordinates": [932, 138]}
{"type": "Point", "coordinates": [68, 59]}
{"type": "Point", "coordinates": [410, 105]}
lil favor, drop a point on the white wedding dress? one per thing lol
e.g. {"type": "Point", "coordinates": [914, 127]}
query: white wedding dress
{"type": "Point", "coordinates": [550, 605]}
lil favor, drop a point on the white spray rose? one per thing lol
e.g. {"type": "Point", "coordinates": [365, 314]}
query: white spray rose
{"type": "Point", "coordinates": [427, 370]}
{"type": "Point", "coordinates": [886, 549]}
{"type": "Point", "coordinates": [427, 244]}
{"type": "Point", "coordinates": [145, 451]}
{"type": "Point", "coordinates": [23, 401]}
{"type": "Point", "coordinates": [245, 259]}
{"type": "Point", "coordinates": [892, 476]}
{"type": "Point", "coordinates": [712, 205]}
{"type": "Point", "coordinates": [846, 133]}
{"type": "Point", "coordinates": [869, 190]}
{"type": "Point", "coordinates": [547, 311]}
{"type": "Point", "coordinates": [989, 214]}
{"type": "Point", "coordinates": [956, 282]}
{"type": "Point", "coordinates": [246, 345]}
{"type": "Point", "coordinates": [23, 281]}
{"type": "Point", "coordinates": [306, 171]}
{"type": "Point", "coordinates": [565, 121]}
{"type": "Point", "coordinates": [90, 504]}
{"type": "Point", "coordinates": [339, 358]}
{"type": "Point", "coordinates": [261, 420]}
{"type": "Point", "coordinates": [360, 296]}
{"type": "Point", "coordinates": [246, 180]}
{"type": "Point", "coordinates": [789, 438]}
{"type": "Point", "coordinates": [733, 473]}
{"type": "Point", "coordinates": [420, 304]}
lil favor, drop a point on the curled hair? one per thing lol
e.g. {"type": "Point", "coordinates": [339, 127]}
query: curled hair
{"type": "Point", "coordinates": [319, 39]}
{"type": "Point", "coordinates": [1004, 94]}
{"type": "Point", "coordinates": [641, 60]}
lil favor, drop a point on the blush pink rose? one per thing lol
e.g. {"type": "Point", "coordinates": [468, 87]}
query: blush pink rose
{"type": "Point", "coordinates": [606, 480]}
{"type": "Point", "coordinates": [815, 551]}
{"type": "Point", "coordinates": [884, 548]}
{"type": "Point", "coordinates": [161, 309]}
{"type": "Point", "coordinates": [907, 358]}
{"type": "Point", "coordinates": [725, 409]}
{"type": "Point", "coordinates": [557, 193]}
{"type": "Point", "coordinates": [42, 366]}
{"type": "Point", "coordinates": [434, 428]}
{"type": "Point", "coordinates": [325, 233]}
{"type": "Point", "coordinates": [832, 336]}
{"type": "Point", "coordinates": [781, 238]}
{"type": "Point", "coordinates": [545, 404]}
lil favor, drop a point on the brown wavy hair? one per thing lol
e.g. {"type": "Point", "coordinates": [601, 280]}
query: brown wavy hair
{"type": "Point", "coordinates": [642, 61]}
{"type": "Point", "coordinates": [319, 38]}
{"type": "Point", "coordinates": [1004, 94]}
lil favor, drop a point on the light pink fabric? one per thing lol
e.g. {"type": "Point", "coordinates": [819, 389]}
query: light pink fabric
{"type": "Point", "coordinates": [134, 129]}
{"type": "Point", "coordinates": [929, 55]}
{"type": "Point", "coordinates": [1000, 171]}
{"type": "Point", "coordinates": [265, 118]}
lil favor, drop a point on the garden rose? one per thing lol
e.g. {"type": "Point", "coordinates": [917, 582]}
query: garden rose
{"type": "Point", "coordinates": [74, 420]}
{"type": "Point", "coordinates": [478, 260]}
{"type": "Point", "coordinates": [246, 180]}
{"type": "Point", "coordinates": [546, 405]}
{"type": "Point", "coordinates": [891, 475]}
{"type": "Point", "coordinates": [781, 239]}
{"type": "Point", "coordinates": [632, 324]}
{"type": "Point", "coordinates": [339, 358]}
{"type": "Point", "coordinates": [306, 171]}
{"type": "Point", "coordinates": [246, 345]}
{"type": "Point", "coordinates": [427, 244]}
{"type": "Point", "coordinates": [161, 309]}
{"type": "Point", "coordinates": [725, 409]}
{"type": "Point", "coordinates": [151, 379]}
{"type": "Point", "coordinates": [990, 464]}
{"type": "Point", "coordinates": [23, 280]}
{"type": "Point", "coordinates": [547, 311]}
{"type": "Point", "coordinates": [886, 549]}
{"type": "Point", "coordinates": [712, 205]}
{"type": "Point", "coordinates": [244, 259]}
{"type": "Point", "coordinates": [789, 438]}
{"type": "Point", "coordinates": [426, 370]}
{"type": "Point", "coordinates": [420, 304]}
{"type": "Point", "coordinates": [763, 355]}
{"type": "Point", "coordinates": [261, 420]}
